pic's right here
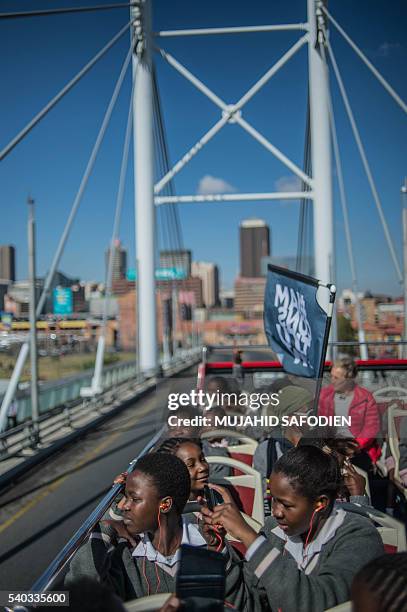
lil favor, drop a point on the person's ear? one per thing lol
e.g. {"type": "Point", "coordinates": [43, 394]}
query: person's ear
{"type": "Point", "coordinates": [321, 503]}
{"type": "Point", "coordinates": [166, 504]}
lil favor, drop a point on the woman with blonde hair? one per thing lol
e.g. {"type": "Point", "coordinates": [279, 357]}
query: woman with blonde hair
{"type": "Point", "coordinates": [344, 397]}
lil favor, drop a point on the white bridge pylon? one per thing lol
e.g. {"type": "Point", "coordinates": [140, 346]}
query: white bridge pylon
{"type": "Point", "coordinates": [317, 188]}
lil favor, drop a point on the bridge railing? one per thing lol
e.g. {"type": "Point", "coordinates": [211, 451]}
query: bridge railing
{"type": "Point", "coordinates": [63, 408]}
{"type": "Point", "coordinates": [54, 570]}
{"type": "Point", "coordinates": [53, 394]}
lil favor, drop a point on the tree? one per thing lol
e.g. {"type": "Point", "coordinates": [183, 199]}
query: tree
{"type": "Point", "coordinates": [346, 333]}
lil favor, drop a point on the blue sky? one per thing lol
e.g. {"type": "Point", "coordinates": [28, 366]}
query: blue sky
{"type": "Point", "coordinates": [40, 55]}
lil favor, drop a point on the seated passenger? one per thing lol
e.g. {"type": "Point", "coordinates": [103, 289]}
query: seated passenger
{"type": "Point", "coordinates": [390, 463]}
{"type": "Point", "coordinates": [344, 450]}
{"type": "Point", "coordinates": [309, 550]}
{"type": "Point", "coordinates": [344, 397]}
{"type": "Point", "coordinates": [139, 555]}
{"type": "Point", "coordinates": [292, 400]}
{"type": "Point", "coordinates": [189, 450]}
{"type": "Point", "coordinates": [381, 585]}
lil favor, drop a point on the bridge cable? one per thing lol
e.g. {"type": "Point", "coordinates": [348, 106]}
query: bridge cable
{"type": "Point", "coordinates": [11, 388]}
{"type": "Point", "coordinates": [14, 142]}
{"type": "Point", "coordinates": [170, 210]}
{"type": "Point", "coordinates": [345, 213]}
{"type": "Point", "coordinates": [162, 214]}
{"type": "Point", "coordinates": [61, 11]}
{"type": "Point", "coordinates": [173, 214]}
{"type": "Point", "coordinates": [369, 64]}
{"type": "Point", "coordinates": [365, 163]}
{"type": "Point", "coordinates": [96, 381]}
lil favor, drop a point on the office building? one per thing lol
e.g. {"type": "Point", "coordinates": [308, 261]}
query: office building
{"type": "Point", "coordinates": [209, 275]}
{"type": "Point", "coordinates": [180, 259]}
{"type": "Point", "coordinates": [7, 262]}
{"type": "Point", "coordinates": [254, 244]}
{"type": "Point", "coordinates": [119, 261]}
{"type": "Point", "coordinates": [249, 296]}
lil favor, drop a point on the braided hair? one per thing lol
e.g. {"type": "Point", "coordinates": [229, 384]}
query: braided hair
{"type": "Point", "coordinates": [386, 578]}
{"type": "Point", "coordinates": [171, 445]}
{"type": "Point", "coordinates": [311, 472]}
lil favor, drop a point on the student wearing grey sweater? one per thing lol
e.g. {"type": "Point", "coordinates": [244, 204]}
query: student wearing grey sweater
{"type": "Point", "coordinates": [307, 554]}
{"type": "Point", "coordinates": [138, 554]}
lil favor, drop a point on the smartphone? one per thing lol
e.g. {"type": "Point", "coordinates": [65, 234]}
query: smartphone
{"type": "Point", "coordinates": [201, 574]}
{"type": "Point", "coordinates": [212, 497]}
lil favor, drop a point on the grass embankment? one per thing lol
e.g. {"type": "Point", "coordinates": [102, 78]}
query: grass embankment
{"type": "Point", "coordinates": [60, 366]}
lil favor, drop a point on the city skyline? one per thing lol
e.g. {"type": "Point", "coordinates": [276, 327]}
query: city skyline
{"type": "Point", "coordinates": [50, 162]}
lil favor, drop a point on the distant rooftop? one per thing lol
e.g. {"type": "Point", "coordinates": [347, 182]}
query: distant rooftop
{"type": "Point", "coordinates": [253, 223]}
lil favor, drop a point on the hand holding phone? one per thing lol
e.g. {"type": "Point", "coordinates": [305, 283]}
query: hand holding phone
{"type": "Point", "coordinates": [212, 497]}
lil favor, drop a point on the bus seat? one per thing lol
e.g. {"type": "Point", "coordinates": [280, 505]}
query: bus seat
{"type": "Point", "coordinates": [395, 415]}
{"type": "Point", "coordinates": [246, 488]}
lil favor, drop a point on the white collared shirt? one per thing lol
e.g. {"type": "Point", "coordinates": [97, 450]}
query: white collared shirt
{"type": "Point", "coordinates": [306, 558]}
{"type": "Point", "coordinates": [190, 535]}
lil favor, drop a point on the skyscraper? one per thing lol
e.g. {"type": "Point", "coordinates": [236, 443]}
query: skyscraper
{"type": "Point", "coordinates": [119, 261]}
{"type": "Point", "coordinates": [7, 262]}
{"type": "Point", "coordinates": [209, 274]}
{"type": "Point", "coordinates": [180, 259]}
{"type": "Point", "coordinates": [254, 244]}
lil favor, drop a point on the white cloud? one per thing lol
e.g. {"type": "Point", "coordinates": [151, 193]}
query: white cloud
{"type": "Point", "coordinates": [288, 183]}
{"type": "Point", "coordinates": [386, 49]}
{"type": "Point", "coordinates": [212, 184]}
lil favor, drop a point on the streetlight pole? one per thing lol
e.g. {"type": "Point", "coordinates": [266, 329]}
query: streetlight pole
{"type": "Point", "coordinates": [33, 320]}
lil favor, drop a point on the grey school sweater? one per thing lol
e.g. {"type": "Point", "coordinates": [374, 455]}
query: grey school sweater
{"type": "Point", "coordinates": [281, 577]}
{"type": "Point", "coordinates": [109, 559]}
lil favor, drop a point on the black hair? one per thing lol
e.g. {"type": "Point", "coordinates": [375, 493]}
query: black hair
{"type": "Point", "coordinates": [169, 476]}
{"type": "Point", "coordinates": [172, 444]}
{"type": "Point", "coordinates": [386, 578]}
{"type": "Point", "coordinates": [327, 440]}
{"type": "Point", "coordinates": [311, 472]}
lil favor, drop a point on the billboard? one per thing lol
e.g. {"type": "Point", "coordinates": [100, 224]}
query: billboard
{"type": "Point", "coordinates": [160, 274]}
{"type": "Point", "coordinates": [6, 319]}
{"type": "Point", "coordinates": [63, 301]}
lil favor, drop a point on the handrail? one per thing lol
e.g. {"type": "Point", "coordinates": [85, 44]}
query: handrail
{"type": "Point", "coordinates": [51, 573]}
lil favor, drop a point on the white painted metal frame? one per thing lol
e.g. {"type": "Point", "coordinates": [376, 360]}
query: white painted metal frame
{"type": "Point", "coordinates": [232, 30]}
{"type": "Point", "coordinates": [320, 185]}
{"type": "Point", "coordinates": [320, 149]}
{"type": "Point", "coordinates": [144, 187]}
{"type": "Point", "coordinates": [234, 197]}
{"type": "Point", "coordinates": [231, 113]}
